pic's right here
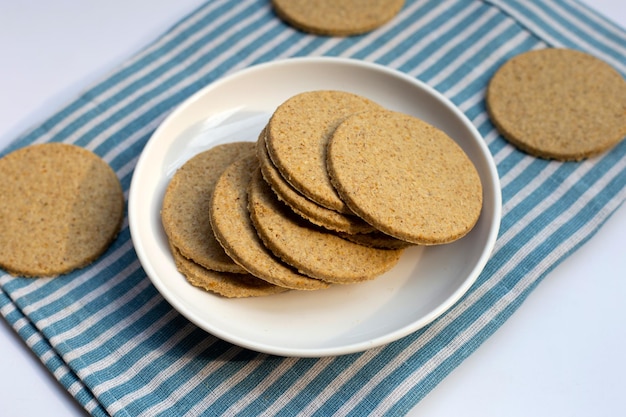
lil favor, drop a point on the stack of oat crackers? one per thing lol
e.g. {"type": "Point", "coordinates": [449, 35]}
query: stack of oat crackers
{"type": "Point", "coordinates": [332, 192]}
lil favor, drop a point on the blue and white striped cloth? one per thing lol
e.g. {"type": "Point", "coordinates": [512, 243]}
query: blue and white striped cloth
{"type": "Point", "coordinates": [110, 338]}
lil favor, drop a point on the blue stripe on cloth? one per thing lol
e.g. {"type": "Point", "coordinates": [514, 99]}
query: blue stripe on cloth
{"type": "Point", "coordinates": [109, 337]}
{"type": "Point", "coordinates": [596, 24]}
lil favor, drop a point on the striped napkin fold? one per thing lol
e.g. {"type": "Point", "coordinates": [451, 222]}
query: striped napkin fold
{"type": "Point", "coordinates": [120, 349]}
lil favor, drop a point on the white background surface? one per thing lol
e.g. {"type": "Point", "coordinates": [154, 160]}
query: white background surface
{"type": "Point", "coordinates": [560, 354]}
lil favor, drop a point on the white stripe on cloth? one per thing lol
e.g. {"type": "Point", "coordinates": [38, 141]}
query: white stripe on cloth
{"type": "Point", "coordinates": [407, 32]}
{"type": "Point", "coordinates": [215, 393]}
{"type": "Point", "coordinates": [66, 310]}
{"type": "Point", "coordinates": [296, 387]}
{"type": "Point", "coordinates": [460, 59]}
{"type": "Point", "coordinates": [210, 368]}
{"type": "Point", "coordinates": [593, 16]}
{"type": "Point", "coordinates": [94, 343]}
{"type": "Point", "coordinates": [145, 362]}
{"type": "Point", "coordinates": [299, 386]}
{"type": "Point", "coordinates": [119, 352]}
{"type": "Point", "coordinates": [489, 62]}
{"type": "Point", "coordinates": [546, 21]}
{"type": "Point", "coordinates": [582, 25]}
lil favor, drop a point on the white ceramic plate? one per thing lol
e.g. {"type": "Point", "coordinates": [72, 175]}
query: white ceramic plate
{"type": "Point", "coordinates": [343, 319]}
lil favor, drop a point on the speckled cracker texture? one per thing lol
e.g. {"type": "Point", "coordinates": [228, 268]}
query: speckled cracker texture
{"type": "Point", "coordinates": [558, 104]}
{"type": "Point", "coordinates": [61, 206]}
{"type": "Point", "coordinates": [234, 230]}
{"type": "Point", "coordinates": [376, 239]}
{"type": "Point", "coordinates": [226, 284]}
{"type": "Point", "coordinates": [185, 210]}
{"type": "Point", "coordinates": [297, 136]}
{"type": "Point", "coordinates": [313, 212]}
{"type": "Point", "coordinates": [311, 250]}
{"type": "Point", "coordinates": [337, 17]}
{"type": "Point", "coordinates": [405, 177]}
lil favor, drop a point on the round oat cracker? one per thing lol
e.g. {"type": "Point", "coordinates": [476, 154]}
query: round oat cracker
{"type": "Point", "coordinates": [297, 135]}
{"type": "Point", "coordinates": [337, 17]}
{"type": "Point", "coordinates": [558, 104]}
{"type": "Point", "coordinates": [61, 207]}
{"type": "Point", "coordinates": [234, 230]}
{"type": "Point", "coordinates": [185, 210]}
{"type": "Point", "coordinates": [226, 284]}
{"type": "Point", "coordinates": [405, 177]}
{"type": "Point", "coordinates": [313, 251]}
{"type": "Point", "coordinates": [311, 211]}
